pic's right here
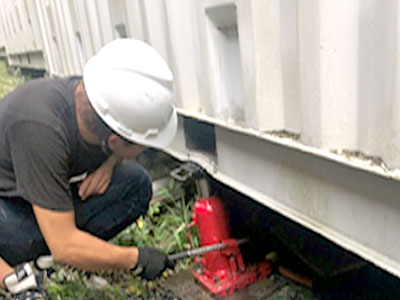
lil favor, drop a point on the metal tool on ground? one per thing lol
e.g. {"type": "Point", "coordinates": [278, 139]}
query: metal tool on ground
{"type": "Point", "coordinates": [205, 249]}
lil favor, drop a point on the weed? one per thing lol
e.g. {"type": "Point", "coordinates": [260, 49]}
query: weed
{"type": "Point", "coordinates": [9, 82]}
{"type": "Point", "coordinates": [164, 225]}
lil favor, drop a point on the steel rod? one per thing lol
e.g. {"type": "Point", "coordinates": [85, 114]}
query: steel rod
{"type": "Point", "coordinates": [202, 250]}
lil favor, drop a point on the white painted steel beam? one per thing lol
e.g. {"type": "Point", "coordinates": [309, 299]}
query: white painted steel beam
{"type": "Point", "coordinates": [355, 208]}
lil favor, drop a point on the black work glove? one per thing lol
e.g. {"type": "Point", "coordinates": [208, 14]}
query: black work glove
{"type": "Point", "coordinates": [151, 263]}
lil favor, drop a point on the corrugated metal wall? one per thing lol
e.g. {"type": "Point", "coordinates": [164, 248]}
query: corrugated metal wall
{"type": "Point", "coordinates": [294, 97]}
{"type": "Point", "coordinates": [22, 33]}
{"type": "Point", "coordinates": [325, 70]}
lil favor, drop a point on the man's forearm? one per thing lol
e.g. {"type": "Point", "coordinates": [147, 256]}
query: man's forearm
{"type": "Point", "coordinates": [85, 251]}
{"type": "Point", "coordinates": [114, 160]}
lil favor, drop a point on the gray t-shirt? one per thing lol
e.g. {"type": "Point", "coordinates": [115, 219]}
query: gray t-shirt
{"type": "Point", "coordinates": [40, 145]}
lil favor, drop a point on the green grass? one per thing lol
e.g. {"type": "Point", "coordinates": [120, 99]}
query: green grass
{"type": "Point", "coordinates": [9, 80]}
{"type": "Point", "coordinates": [77, 290]}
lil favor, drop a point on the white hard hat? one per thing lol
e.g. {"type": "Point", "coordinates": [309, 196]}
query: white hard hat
{"type": "Point", "coordinates": [130, 87]}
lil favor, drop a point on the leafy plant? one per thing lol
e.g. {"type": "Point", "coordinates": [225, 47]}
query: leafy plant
{"type": "Point", "coordinates": [8, 81]}
{"type": "Point", "coordinates": [164, 226]}
{"type": "Point", "coordinates": [77, 290]}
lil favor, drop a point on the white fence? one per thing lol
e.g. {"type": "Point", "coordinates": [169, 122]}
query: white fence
{"type": "Point", "coordinates": [305, 80]}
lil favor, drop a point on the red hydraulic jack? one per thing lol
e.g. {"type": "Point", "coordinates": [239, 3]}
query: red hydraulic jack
{"type": "Point", "coordinates": [221, 271]}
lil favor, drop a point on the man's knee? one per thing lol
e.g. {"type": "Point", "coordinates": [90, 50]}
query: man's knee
{"type": "Point", "coordinates": [138, 184]}
{"type": "Point", "coordinates": [20, 237]}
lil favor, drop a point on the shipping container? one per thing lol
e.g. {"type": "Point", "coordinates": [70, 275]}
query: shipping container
{"type": "Point", "coordinates": [293, 103]}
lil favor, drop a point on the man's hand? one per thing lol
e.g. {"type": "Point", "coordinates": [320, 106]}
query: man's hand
{"type": "Point", "coordinates": [98, 181]}
{"type": "Point", "coordinates": [151, 263]}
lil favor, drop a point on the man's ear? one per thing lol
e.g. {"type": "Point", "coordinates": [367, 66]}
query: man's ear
{"type": "Point", "coordinates": [112, 141]}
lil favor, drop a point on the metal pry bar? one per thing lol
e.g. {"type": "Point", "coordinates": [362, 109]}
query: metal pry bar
{"type": "Point", "coordinates": [202, 250]}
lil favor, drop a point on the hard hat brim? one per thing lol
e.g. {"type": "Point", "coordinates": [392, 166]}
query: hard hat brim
{"type": "Point", "coordinates": [91, 77]}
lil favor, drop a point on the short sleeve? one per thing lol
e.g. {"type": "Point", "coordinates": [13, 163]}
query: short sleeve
{"type": "Point", "coordinates": [39, 157]}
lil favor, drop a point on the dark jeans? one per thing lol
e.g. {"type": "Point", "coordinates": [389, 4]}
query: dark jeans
{"type": "Point", "coordinates": [104, 216]}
